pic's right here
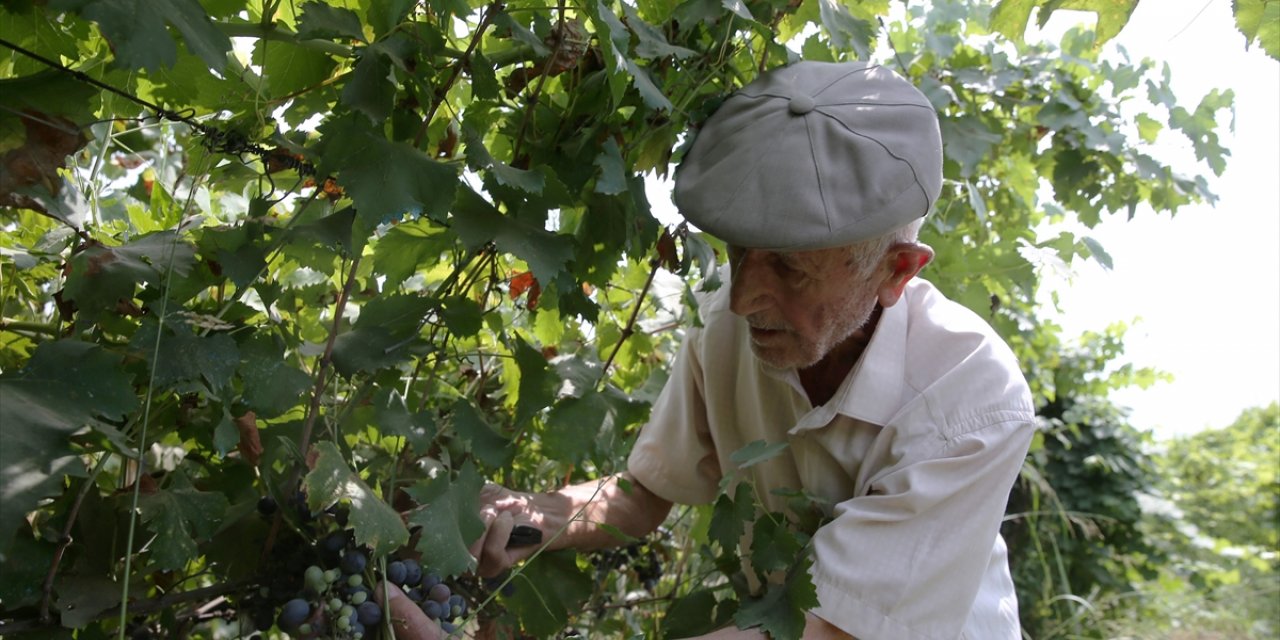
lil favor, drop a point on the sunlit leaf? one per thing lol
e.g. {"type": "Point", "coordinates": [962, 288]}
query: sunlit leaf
{"type": "Point", "coordinates": [331, 481]}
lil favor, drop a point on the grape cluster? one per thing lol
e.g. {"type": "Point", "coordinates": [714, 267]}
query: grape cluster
{"type": "Point", "coordinates": [334, 603]}
{"type": "Point", "coordinates": [429, 591]}
{"type": "Point", "coordinates": [641, 560]}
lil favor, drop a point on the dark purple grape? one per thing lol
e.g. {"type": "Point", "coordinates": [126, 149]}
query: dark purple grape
{"type": "Point", "coordinates": [354, 562]}
{"type": "Point", "coordinates": [334, 542]}
{"type": "Point", "coordinates": [447, 628]}
{"type": "Point", "coordinates": [267, 505]}
{"type": "Point", "coordinates": [293, 614]}
{"type": "Point", "coordinates": [368, 614]}
{"type": "Point", "coordinates": [415, 594]}
{"type": "Point", "coordinates": [433, 609]}
{"type": "Point", "coordinates": [430, 580]}
{"type": "Point", "coordinates": [396, 573]}
{"type": "Point", "coordinates": [457, 605]}
{"type": "Point", "coordinates": [413, 573]}
{"type": "Point", "coordinates": [440, 593]}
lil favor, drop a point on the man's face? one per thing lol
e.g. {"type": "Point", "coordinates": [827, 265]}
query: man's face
{"type": "Point", "coordinates": [800, 305]}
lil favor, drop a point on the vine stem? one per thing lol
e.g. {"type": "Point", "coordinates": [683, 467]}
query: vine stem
{"type": "Point", "coordinates": [64, 541]}
{"type": "Point", "coordinates": [630, 329]}
{"type": "Point", "coordinates": [322, 368]}
{"type": "Point", "coordinates": [7, 324]}
{"type": "Point", "coordinates": [542, 79]}
{"type": "Point", "coordinates": [146, 415]}
{"type": "Point", "coordinates": [485, 20]}
{"type": "Point", "coordinates": [148, 606]}
{"type": "Point", "coordinates": [313, 409]}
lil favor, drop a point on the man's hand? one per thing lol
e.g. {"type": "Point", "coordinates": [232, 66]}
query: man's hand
{"type": "Point", "coordinates": [407, 619]}
{"type": "Point", "coordinates": [502, 509]}
{"type": "Point", "coordinates": [569, 517]}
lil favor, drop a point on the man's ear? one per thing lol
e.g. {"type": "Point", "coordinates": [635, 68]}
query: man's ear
{"type": "Point", "coordinates": [903, 261]}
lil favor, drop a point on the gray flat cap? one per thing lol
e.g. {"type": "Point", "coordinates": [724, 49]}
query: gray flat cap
{"type": "Point", "coordinates": [813, 155]}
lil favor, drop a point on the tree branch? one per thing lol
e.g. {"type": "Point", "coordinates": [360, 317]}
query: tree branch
{"type": "Point", "coordinates": [627, 331]}
{"type": "Point", "coordinates": [443, 90]}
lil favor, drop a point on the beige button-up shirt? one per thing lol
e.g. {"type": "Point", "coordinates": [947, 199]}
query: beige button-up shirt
{"type": "Point", "coordinates": [916, 453]}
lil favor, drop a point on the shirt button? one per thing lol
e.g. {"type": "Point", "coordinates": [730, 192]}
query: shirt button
{"type": "Point", "coordinates": [801, 105]}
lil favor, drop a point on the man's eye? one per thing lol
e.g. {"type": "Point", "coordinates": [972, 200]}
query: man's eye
{"type": "Point", "coordinates": [787, 268]}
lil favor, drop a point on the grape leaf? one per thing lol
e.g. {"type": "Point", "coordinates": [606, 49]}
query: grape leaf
{"type": "Point", "coordinates": [180, 516]}
{"type": "Point", "coordinates": [537, 381]}
{"type": "Point", "coordinates": [651, 44]}
{"type": "Point", "coordinates": [61, 390]}
{"type": "Point", "coordinates": [1259, 21]}
{"type": "Point", "coordinates": [573, 425]}
{"type": "Point", "coordinates": [547, 589]}
{"type": "Point", "coordinates": [392, 417]}
{"type": "Point", "coordinates": [691, 615]}
{"type": "Point", "coordinates": [613, 178]}
{"type": "Point", "coordinates": [101, 276]}
{"type": "Point", "coordinates": [320, 20]}
{"type": "Point", "coordinates": [449, 517]}
{"type": "Point", "coordinates": [271, 385]}
{"type": "Point", "coordinates": [847, 31]}
{"type": "Point", "coordinates": [82, 598]}
{"type": "Point", "coordinates": [488, 445]}
{"type": "Point", "coordinates": [781, 611]}
{"type": "Point", "coordinates": [729, 516]}
{"type": "Point", "coordinates": [478, 157]}
{"type": "Point", "coordinates": [408, 247]}
{"type": "Point", "coordinates": [463, 316]}
{"type": "Point", "coordinates": [370, 90]}
{"type": "Point", "coordinates": [756, 452]}
{"type": "Point", "coordinates": [1011, 17]}
{"type": "Point", "coordinates": [24, 569]}
{"type": "Point", "coordinates": [387, 326]}
{"type": "Point", "coordinates": [385, 179]}
{"type": "Point", "coordinates": [773, 545]}
{"type": "Point", "coordinates": [330, 480]}
{"type": "Point", "coordinates": [966, 141]}
{"type": "Point", "coordinates": [184, 359]}
{"type": "Point", "coordinates": [290, 68]}
{"type": "Point", "coordinates": [477, 222]}
{"type": "Point", "coordinates": [137, 33]}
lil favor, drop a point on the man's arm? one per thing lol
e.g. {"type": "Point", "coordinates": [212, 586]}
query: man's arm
{"type": "Point", "coordinates": [569, 518]}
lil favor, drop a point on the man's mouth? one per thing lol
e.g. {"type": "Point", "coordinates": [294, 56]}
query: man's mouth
{"type": "Point", "coordinates": [762, 334]}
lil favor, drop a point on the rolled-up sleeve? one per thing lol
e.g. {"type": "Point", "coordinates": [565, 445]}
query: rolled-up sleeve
{"type": "Point", "coordinates": [675, 455]}
{"type": "Point", "coordinates": [905, 559]}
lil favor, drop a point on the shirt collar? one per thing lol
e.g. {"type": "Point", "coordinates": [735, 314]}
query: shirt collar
{"type": "Point", "coordinates": [873, 391]}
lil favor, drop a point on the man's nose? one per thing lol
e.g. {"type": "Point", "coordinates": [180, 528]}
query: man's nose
{"type": "Point", "coordinates": [751, 283]}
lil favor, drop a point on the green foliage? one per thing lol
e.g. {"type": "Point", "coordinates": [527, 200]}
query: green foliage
{"type": "Point", "coordinates": [1074, 523]}
{"type": "Point", "coordinates": [380, 251]}
{"type": "Point", "coordinates": [1259, 21]}
{"type": "Point", "coordinates": [1217, 520]}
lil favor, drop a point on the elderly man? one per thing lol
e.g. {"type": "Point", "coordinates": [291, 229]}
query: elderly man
{"type": "Point", "coordinates": [903, 410]}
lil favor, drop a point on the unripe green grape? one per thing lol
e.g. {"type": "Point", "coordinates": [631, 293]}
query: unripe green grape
{"type": "Point", "coordinates": [359, 598]}
{"type": "Point", "coordinates": [355, 580]}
